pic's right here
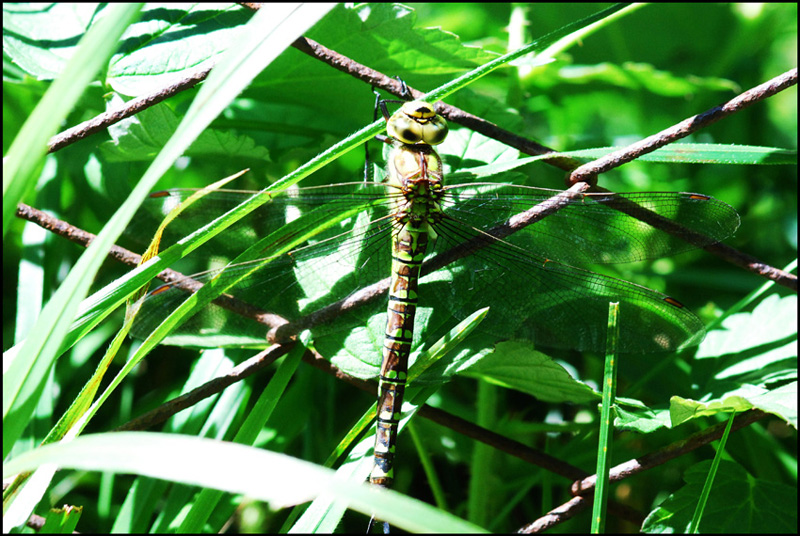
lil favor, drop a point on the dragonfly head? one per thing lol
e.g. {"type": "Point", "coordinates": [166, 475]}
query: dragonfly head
{"type": "Point", "coordinates": [417, 122]}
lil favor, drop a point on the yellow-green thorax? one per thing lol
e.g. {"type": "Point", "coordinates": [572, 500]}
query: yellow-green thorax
{"type": "Point", "coordinates": [415, 171]}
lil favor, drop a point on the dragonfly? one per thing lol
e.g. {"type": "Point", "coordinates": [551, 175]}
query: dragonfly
{"type": "Point", "coordinates": [418, 241]}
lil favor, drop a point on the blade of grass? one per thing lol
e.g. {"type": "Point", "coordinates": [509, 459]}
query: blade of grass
{"type": "Point", "coordinates": [84, 399]}
{"type": "Point", "coordinates": [278, 479]}
{"type": "Point", "coordinates": [427, 466]}
{"type": "Point", "coordinates": [262, 40]}
{"type": "Point", "coordinates": [480, 465]}
{"type": "Point", "coordinates": [606, 422]}
{"type": "Point", "coordinates": [24, 372]}
{"type": "Point", "coordinates": [207, 500]}
{"type": "Point", "coordinates": [694, 525]}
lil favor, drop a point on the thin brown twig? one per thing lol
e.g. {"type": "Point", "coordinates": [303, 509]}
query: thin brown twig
{"type": "Point", "coordinates": [245, 369]}
{"type": "Point", "coordinates": [130, 108]}
{"type": "Point", "coordinates": [502, 443]}
{"type": "Point", "coordinates": [669, 452]}
{"type": "Point", "coordinates": [216, 385]}
{"type": "Point", "coordinates": [73, 234]}
{"type": "Point", "coordinates": [720, 249]}
{"type": "Point", "coordinates": [588, 172]}
{"type": "Point", "coordinates": [557, 515]}
{"type": "Point", "coordinates": [334, 59]}
{"type": "Point", "coordinates": [576, 505]}
{"type": "Point", "coordinates": [451, 113]}
{"type": "Point", "coordinates": [752, 264]}
{"type": "Point", "coordinates": [583, 489]}
{"type": "Point", "coordinates": [583, 485]}
{"type": "Point", "coordinates": [172, 277]}
{"type": "Point", "coordinates": [585, 173]}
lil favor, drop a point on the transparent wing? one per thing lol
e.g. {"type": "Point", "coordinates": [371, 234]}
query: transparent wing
{"type": "Point", "coordinates": [525, 277]}
{"type": "Point", "coordinates": [532, 291]}
{"type": "Point", "coordinates": [308, 249]}
{"type": "Point", "coordinates": [598, 228]}
{"type": "Point", "coordinates": [555, 304]}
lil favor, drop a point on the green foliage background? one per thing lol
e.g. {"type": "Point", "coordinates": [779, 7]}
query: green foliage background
{"type": "Point", "coordinates": [635, 77]}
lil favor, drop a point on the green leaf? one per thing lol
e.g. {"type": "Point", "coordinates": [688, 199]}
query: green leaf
{"type": "Point", "coordinates": [643, 421]}
{"type": "Point", "coordinates": [62, 520]}
{"type": "Point", "coordinates": [682, 410]}
{"type": "Point", "coordinates": [139, 138]}
{"type": "Point", "coordinates": [781, 401]}
{"type": "Point", "coordinates": [630, 75]}
{"type": "Point", "coordinates": [173, 41]}
{"type": "Point", "coordinates": [756, 356]}
{"type": "Point", "coordinates": [516, 365]}
{"type": "Point", "coordinates": [43, 40]}
{"type": "Point", "coordinates": [772, 325]}
{"type": "Point", "coordinates": [739, 503]}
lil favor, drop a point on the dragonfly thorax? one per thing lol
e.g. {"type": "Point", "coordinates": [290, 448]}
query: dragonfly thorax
{"type": "Point", "coordinates": [419, 205]}
{"type": "Point", "coordinates": [415, 172]}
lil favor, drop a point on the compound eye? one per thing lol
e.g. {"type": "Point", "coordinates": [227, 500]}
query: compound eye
{"type": "Point", "coordinates": [435, 131]}
{"type": "Point", "coordinates": [417, 122]}
{"type": "Point", "coordinates": [405, 129]}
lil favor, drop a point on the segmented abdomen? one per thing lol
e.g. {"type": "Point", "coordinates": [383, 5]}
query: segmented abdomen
{"type": "Point", "coordinates": [408, 251]}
